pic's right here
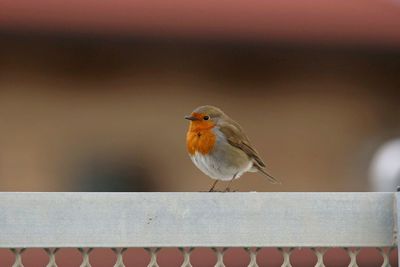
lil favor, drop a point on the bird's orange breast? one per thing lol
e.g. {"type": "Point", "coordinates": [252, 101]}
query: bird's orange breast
{"type": "Point", "coordinates": [201, 141]}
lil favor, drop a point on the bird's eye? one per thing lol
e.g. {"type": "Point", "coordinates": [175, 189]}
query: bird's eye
{"type": "Point", "coordinates": [206, 118]}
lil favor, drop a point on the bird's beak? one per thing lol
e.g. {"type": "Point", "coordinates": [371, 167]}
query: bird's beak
{"type": "Point", "coordinates": [191, 118]}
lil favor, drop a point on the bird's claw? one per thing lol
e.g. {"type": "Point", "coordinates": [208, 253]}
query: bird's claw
{"type": "Point", "coordinates": [229, 190]}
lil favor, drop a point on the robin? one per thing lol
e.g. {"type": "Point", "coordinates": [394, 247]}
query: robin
{"type": "Point", "coordinates": [218, 146]}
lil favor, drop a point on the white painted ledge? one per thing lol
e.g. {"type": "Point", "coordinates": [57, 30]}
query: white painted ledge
{"type": "Point", "coordinates": [197, 219]}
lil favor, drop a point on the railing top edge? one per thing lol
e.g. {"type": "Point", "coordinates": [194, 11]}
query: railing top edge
{"type": "Point", "coordinates": [197, 193]}
{"type": "Point", "coordinates": [64, 219]}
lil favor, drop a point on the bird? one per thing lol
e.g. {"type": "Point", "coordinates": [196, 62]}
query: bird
{"type": "Point", "coordinates": [219, 147]}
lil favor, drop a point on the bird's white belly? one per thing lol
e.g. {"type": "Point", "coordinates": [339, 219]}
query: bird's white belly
{"type": "Point", "coordinates": [218, 169]}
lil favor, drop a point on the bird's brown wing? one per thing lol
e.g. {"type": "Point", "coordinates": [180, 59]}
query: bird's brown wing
{"type": "Point", "coordinates": [237, 138]}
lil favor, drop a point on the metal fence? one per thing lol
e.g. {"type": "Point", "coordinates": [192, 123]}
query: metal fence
{"type": "Point", "coordinates": [189, 220]}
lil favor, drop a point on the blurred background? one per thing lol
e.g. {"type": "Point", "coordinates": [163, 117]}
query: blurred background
{"type": "Point", "coordinates": [93, 94]}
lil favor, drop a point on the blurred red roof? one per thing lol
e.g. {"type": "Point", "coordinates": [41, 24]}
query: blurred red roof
{"type": "Point", "coordinates": [341, 21]}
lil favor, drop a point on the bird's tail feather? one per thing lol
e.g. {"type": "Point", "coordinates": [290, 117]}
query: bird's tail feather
{"type": "Point", "coordinates": [271, 178]}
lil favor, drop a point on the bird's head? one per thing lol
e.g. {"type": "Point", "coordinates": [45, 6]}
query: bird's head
{"type": "Point", "coordinates": [205, 117]}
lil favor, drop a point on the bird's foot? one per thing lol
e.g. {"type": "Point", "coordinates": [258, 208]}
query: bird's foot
{"type": "Point", "coordinates": [215, 190]}
{"type": "Point", "coordinates": [230, 190]}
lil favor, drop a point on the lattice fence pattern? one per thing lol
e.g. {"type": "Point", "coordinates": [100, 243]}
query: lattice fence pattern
{"type": "Point", "coordinates": [219, 253]}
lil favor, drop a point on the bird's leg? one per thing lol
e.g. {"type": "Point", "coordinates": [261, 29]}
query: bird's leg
{"type": "Point", "coordinates": [213, 185]}
{"type": "Point", "coordinates": [227, 189]}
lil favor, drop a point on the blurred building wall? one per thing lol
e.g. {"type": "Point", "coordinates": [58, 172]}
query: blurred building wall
{"type": "Point", "coordinates": [81, 113]}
